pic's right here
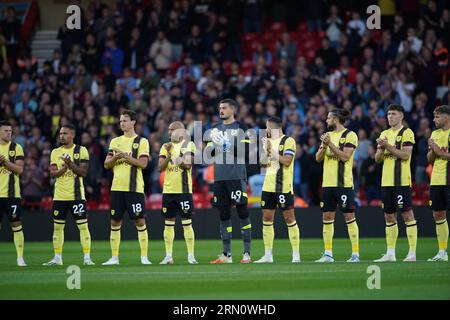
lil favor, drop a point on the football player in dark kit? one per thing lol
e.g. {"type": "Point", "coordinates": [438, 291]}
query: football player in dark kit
{"type": "Point", "coordinates": [229, 144]}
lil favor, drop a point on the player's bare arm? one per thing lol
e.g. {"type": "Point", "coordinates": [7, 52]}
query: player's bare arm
{"type": "Point", "coordinates": [402, 154]}
{"type": "Point", "coordinates": [111, 159]}
{"type": "Point", "coordinates": [80, 170]}
{"type": "Point", "coordinates": [320, 154]}
{"type": "Point", "coordinates": [55, 172]}
{"type": "Point", "coordinates": [343, 155]}
{"type": "Point", "coordinates": [16, 166]}
{"type": "Point", "coordinates": [284, 160]}
{"type": "Point", "coordinates": [163, 162]}
{"type": "Point", "coordinates": [186, 161]}
{"type": "Point", "coordinates": [142, 162]}
{"type": "Point", "coordinates": [436, 151]}
{"type": "Point", "coordinates": [379, 153]}
{"type": "Point", "coordinates": [431, 156]}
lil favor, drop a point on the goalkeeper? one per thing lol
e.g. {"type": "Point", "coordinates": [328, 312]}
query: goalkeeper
{"type": "Point", "coordinates": [230, 146]}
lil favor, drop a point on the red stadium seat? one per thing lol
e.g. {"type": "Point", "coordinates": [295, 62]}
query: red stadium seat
{"type": "Point", "coordinates": [250, 37]}
{"type": "Point", "coordinates": [278, 27]}
{"type": "Point", "coordinates": [246, 67]}
{"type": "Point", "coordinates": [154, 201]}
{"type": "Point", "coordinates": [310, 55]}
{"type": "Point", "coordinates": [302, 27]}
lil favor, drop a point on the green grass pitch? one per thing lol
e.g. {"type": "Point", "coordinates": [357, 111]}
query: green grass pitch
{"type": "Point", "coordinates": [280, 280]}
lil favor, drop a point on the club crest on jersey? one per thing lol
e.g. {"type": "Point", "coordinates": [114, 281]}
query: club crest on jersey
{"type": "Point", "coordinates": [76, 156]}
{"type": "Point", "coordinates": [55, 212]}
{"type": "Point", "coordinates": [399, 138]}
{"type": "Point", "coordinates": [164, 210]}
{"type": "Point", "coordinates": [263, 203]}
{"type": "Point", "coordinates": [280, 148]}
{"type": "Point", "coordinates": [430, 203]}
{"type": "Point", "coordinates": [135, 145]}
{"type": "Point", "coordinates": [113, 212]}
{"type": "Point", "coordinates": [12, 153]}
{"type": "Point", "coordinates": [233, 132]}
{"type": "Point", "coordinates": [342, 140]}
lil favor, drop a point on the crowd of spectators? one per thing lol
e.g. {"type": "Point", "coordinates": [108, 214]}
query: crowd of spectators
{"type": "Point", "coordinates": [166, 60]}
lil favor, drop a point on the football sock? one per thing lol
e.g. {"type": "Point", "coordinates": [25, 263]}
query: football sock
{"type": "Point", "coordinates": [328, 233]}
{"type": "Point", "coordinates": [143, 239]}
{"type": "Point", "coordinates": [169, 235]}
{"type": "Point", "coordinates": [353, 233]}
{"type": "Point", "coordinates": [115, 240]}
{"type": "Point", "coordinates": [189, 235]}
{"type": "Point", "coordinates": [268, 236]}
{"type": "Point", "coordinates": [85, 236]}
{"type": "Point", "coordinates": [226, 232]}
{"type": "Point", "coordinates": [391, 236]}
{"type": "Point", "coordinates": [294, 236]}
{"type": "Point", "coordinates": [442, 234]}
{"type": "Point", "coordinates": [18, 240]}
{"type": "Point", "coordinates": [58, 236]}
{"type": "Point", "coordinates": [411, 233]}
{"type": "Point", "coordinates": [246, 230]}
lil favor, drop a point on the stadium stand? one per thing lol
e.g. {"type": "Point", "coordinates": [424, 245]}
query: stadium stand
{"type": "Point", "coordinates": [174, 60]}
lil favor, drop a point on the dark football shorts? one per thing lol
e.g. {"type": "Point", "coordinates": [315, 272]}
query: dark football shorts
{"type": "Point", "coordinates": [174, 204]}
{"type": "Point", "coordinates": [333, 197]}
{"type": "Point", "coordinates": [77, 208]}
{"type": "Point", "coordinates": [131, 202]}
{"type": "Point", "coordinates": [230, 192]}
{"type": "Point", "coordinates": [396, 199]}
{"type": "Point", "coordinates": [274, 200]}
{"type": "Point", "coordinates": [10, 206]}
{"type": "Point", "coordinates": [440, 198]}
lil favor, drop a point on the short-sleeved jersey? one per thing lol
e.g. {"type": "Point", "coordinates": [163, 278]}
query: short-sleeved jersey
{"type": "Point", "coordinates": [176, 179]}
{"type": "Point", "coordinates": [280, 178]}
{"type": "Point", "coordinates": [229, 159]}
{"type": "Point", "coordinates": [396, 172]}
{"type": "Point", "coordinates": [338, 173]}
{"type": "Point", "coordinates": [9, 181]}
{"type": "Point", "coordinates": [129, 178]}
{"type": "Point", "coordinates": [69, 186]}
{"type": "Point", "coordinates": [440, 175]}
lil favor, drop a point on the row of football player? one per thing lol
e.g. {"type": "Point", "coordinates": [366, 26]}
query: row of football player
{"type": "Point", "coordinates": [129, 154]}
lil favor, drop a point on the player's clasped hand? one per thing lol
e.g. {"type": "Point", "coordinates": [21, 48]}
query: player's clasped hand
{"type": "Point", "coordinates": [217, 137]}
{"type": "Point", "coordinates": [432, 144]}
{"type": "Point", "coordinates": [119, 154]}
{"type": "Point", "coordinates": [382, 142]}
{"type": "Point", "coordinates": [66, 160]}
{"type": "Point", "coordinates": [325, 138]}
{"type": "Point", "coordinates": [2, 159]}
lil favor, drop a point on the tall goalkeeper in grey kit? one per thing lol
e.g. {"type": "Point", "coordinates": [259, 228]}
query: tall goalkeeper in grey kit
{"type": "Point", "coordinates": [229, 144]}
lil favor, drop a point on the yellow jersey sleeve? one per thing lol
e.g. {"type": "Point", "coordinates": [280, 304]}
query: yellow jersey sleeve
{"type": "Point", "coordinates": [290, 147]}
{"type": "Point", "coordinates": [19, 152]}
{"type": "Point", "coordinates": [190, 148]}
{"type": "Point", "coordinates": [112, 145]}
{"type": "Point", "coordinates": [351, 140]}
{"type": "Point", "coordinates": [84, 154]}
{"type": "Point", "coordinates": [163, 152]}
{"type": "Point", "coordinates": [408, 138]}
{"type": "Point", "coordinates": [53, 158]}
{"type": "Point", "coordinates": [144, 148]}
